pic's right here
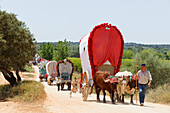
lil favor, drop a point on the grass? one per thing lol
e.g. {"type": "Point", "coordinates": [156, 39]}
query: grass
{"type": "Point", "coordinates": [161, 94]}
{"type": "Point", "coordinates": [25, 91]}
{"type": "Point", "coordinates": [29, 75]}
{"type": "Point", "coordinates": [28, 69]}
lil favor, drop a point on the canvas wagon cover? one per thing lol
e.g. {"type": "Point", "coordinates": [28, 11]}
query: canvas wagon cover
{"type": "Point", "coordinates": [104, 43]}
{"type": "Point", "coordinates": [51, 68]}
{"type": "Point", "coordinates": [65, 67]}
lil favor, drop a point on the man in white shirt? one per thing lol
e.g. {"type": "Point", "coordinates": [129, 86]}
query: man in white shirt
{"type": "Point", "coordinates": [144, 76]}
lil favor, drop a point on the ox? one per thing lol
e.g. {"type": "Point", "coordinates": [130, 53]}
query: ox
{"type": "Point", "coordinates": [128, 85]}
{"type": "Point", "coordinates": [101, 83]}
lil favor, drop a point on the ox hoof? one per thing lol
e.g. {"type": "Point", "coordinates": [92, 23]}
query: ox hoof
{"type": "Point", "coordinates": [98, 100]}
{"type": "Point", "coordinates": [131, 103]}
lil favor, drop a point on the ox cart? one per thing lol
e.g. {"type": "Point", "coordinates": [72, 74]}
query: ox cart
{"type": "Point", "coordinates": [65, 69]}
{"type": "Point", "coordinates": [101, 50]}
{"type": "Point", "coordinates": [51, 71]}
{"type": "Point", "coordinates": [42, 70]}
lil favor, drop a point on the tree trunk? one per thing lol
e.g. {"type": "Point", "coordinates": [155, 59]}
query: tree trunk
{"type": "Point", "coordinates": [9, 77]}
{"type": "Point", "coordinates": [18, 76]}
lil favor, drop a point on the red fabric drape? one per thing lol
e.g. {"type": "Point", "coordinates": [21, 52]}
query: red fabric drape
{"type": "Point", "coordinates": [105, 44]}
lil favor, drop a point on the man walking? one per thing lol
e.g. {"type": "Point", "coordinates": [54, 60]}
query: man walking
{"type": "Point", "coordinates": [144, 76]}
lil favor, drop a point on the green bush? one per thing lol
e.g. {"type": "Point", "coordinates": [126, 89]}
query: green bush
{"type": "Point", "coordinates": [77, 64]}
{"type": "Point", "coordinates": [126, 65]}
{"type": "Point", "coordinates": [29, 75]}
{"type": "Point", "coordinates": [27, 69]}
{"type": "Point", "coordinates": [160, 69]}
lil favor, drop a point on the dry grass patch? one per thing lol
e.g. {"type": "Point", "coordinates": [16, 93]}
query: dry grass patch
{"type": "Point", "coordinates": [25, 91]}
{"type": "Point", "coordinates": [161, 94]}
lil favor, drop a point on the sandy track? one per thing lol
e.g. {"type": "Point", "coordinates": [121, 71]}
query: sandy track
{"type": "Point", "coordinates": [60, 102]}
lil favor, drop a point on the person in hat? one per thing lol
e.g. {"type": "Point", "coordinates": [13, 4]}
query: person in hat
{"type": "Point", "coordinates": [144, 76]}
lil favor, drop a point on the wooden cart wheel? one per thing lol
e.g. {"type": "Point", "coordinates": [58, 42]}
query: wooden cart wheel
{"type": "Point", "coordinates": [85, 88]}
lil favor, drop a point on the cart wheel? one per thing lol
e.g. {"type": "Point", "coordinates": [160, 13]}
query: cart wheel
{"type": "Point", "coordinates": [85, 88]}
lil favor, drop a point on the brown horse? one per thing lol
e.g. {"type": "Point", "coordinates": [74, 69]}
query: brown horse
{"type": "Point", "coordinates": [100, 83]}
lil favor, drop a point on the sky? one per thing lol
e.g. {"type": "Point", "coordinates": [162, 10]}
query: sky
{"type": "Point", "coordinates": [140, 21]}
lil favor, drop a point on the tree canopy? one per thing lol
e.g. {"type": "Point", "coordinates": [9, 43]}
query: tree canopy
{"type": "Point", "coordinates": [17, 45]}
{"type": "Point", "coordinates": [47, 50]}
{"type": "Point", "coordinates": [62, 50]}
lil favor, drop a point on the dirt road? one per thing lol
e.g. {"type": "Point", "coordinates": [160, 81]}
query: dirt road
{"type": "Point", "coordinates": [60, 102]}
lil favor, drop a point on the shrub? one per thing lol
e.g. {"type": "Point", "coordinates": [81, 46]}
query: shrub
{"type": "Point", "coordinates": [77, 64]}
{"type": "Point", "coordinates": [159, 69]}
{"type": "Point", "coordinates": [160, 94]}
{"type": "Point", "coordinates": [27, 68]}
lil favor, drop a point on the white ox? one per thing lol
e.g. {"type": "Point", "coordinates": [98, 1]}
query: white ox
{"type": "Point", "coordinates": [125, 85]}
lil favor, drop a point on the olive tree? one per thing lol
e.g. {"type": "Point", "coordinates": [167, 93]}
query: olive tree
{"type": "Point", "coordinates": [17, 46]}
{"type": "Point", "coordinates": [160, 69]}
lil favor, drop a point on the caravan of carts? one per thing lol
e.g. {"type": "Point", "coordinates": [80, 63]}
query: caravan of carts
{"type": "Point", "coordinates": [55, 72]}
{"type": "Point", "coordinates": [101, 54]}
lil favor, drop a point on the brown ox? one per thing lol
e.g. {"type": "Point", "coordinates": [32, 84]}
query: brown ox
{"type": "Point", "coordinates": [100, 84]}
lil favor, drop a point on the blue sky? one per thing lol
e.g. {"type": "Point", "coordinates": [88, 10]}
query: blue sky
{"type": "Point", "coordinates": [144, 21]}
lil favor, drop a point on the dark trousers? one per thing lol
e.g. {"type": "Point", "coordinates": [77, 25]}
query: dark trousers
{"type": "Point", "coordinates": [142, 91]}
{"type": "Point", "coordinates": [58, 86]}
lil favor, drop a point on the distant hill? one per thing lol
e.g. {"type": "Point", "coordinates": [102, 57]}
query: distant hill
{"type": "Point", "coordinates": [55, 43]}
{"type": "Point", "coordinates": [165, 46]}
{"type": "Point", "coordinates": [129, 44]}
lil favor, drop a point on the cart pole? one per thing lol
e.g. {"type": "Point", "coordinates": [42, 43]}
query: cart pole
{"type": "Point", "coordinates": [136, 77]}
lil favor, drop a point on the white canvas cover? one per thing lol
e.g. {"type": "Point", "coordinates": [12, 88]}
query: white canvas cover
{"type": "Point", "coordinates": [65, 68]}
{"type": "Point", "coordinates": [51, 68]}
{"type": "Point", "coordinates": [125, 73]}
{"type": "Point", "coordinates": [84, 55]}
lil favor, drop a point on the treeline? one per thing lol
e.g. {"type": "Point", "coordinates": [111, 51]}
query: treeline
{"type": "Point", "coordinates": [73, 48]}
{"type": "Point", "coordinates": [163, 51]}
{"type": "Point", "coordinates": [51, 51]}
{"type": "Point", "coordinates": [159, 68]}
